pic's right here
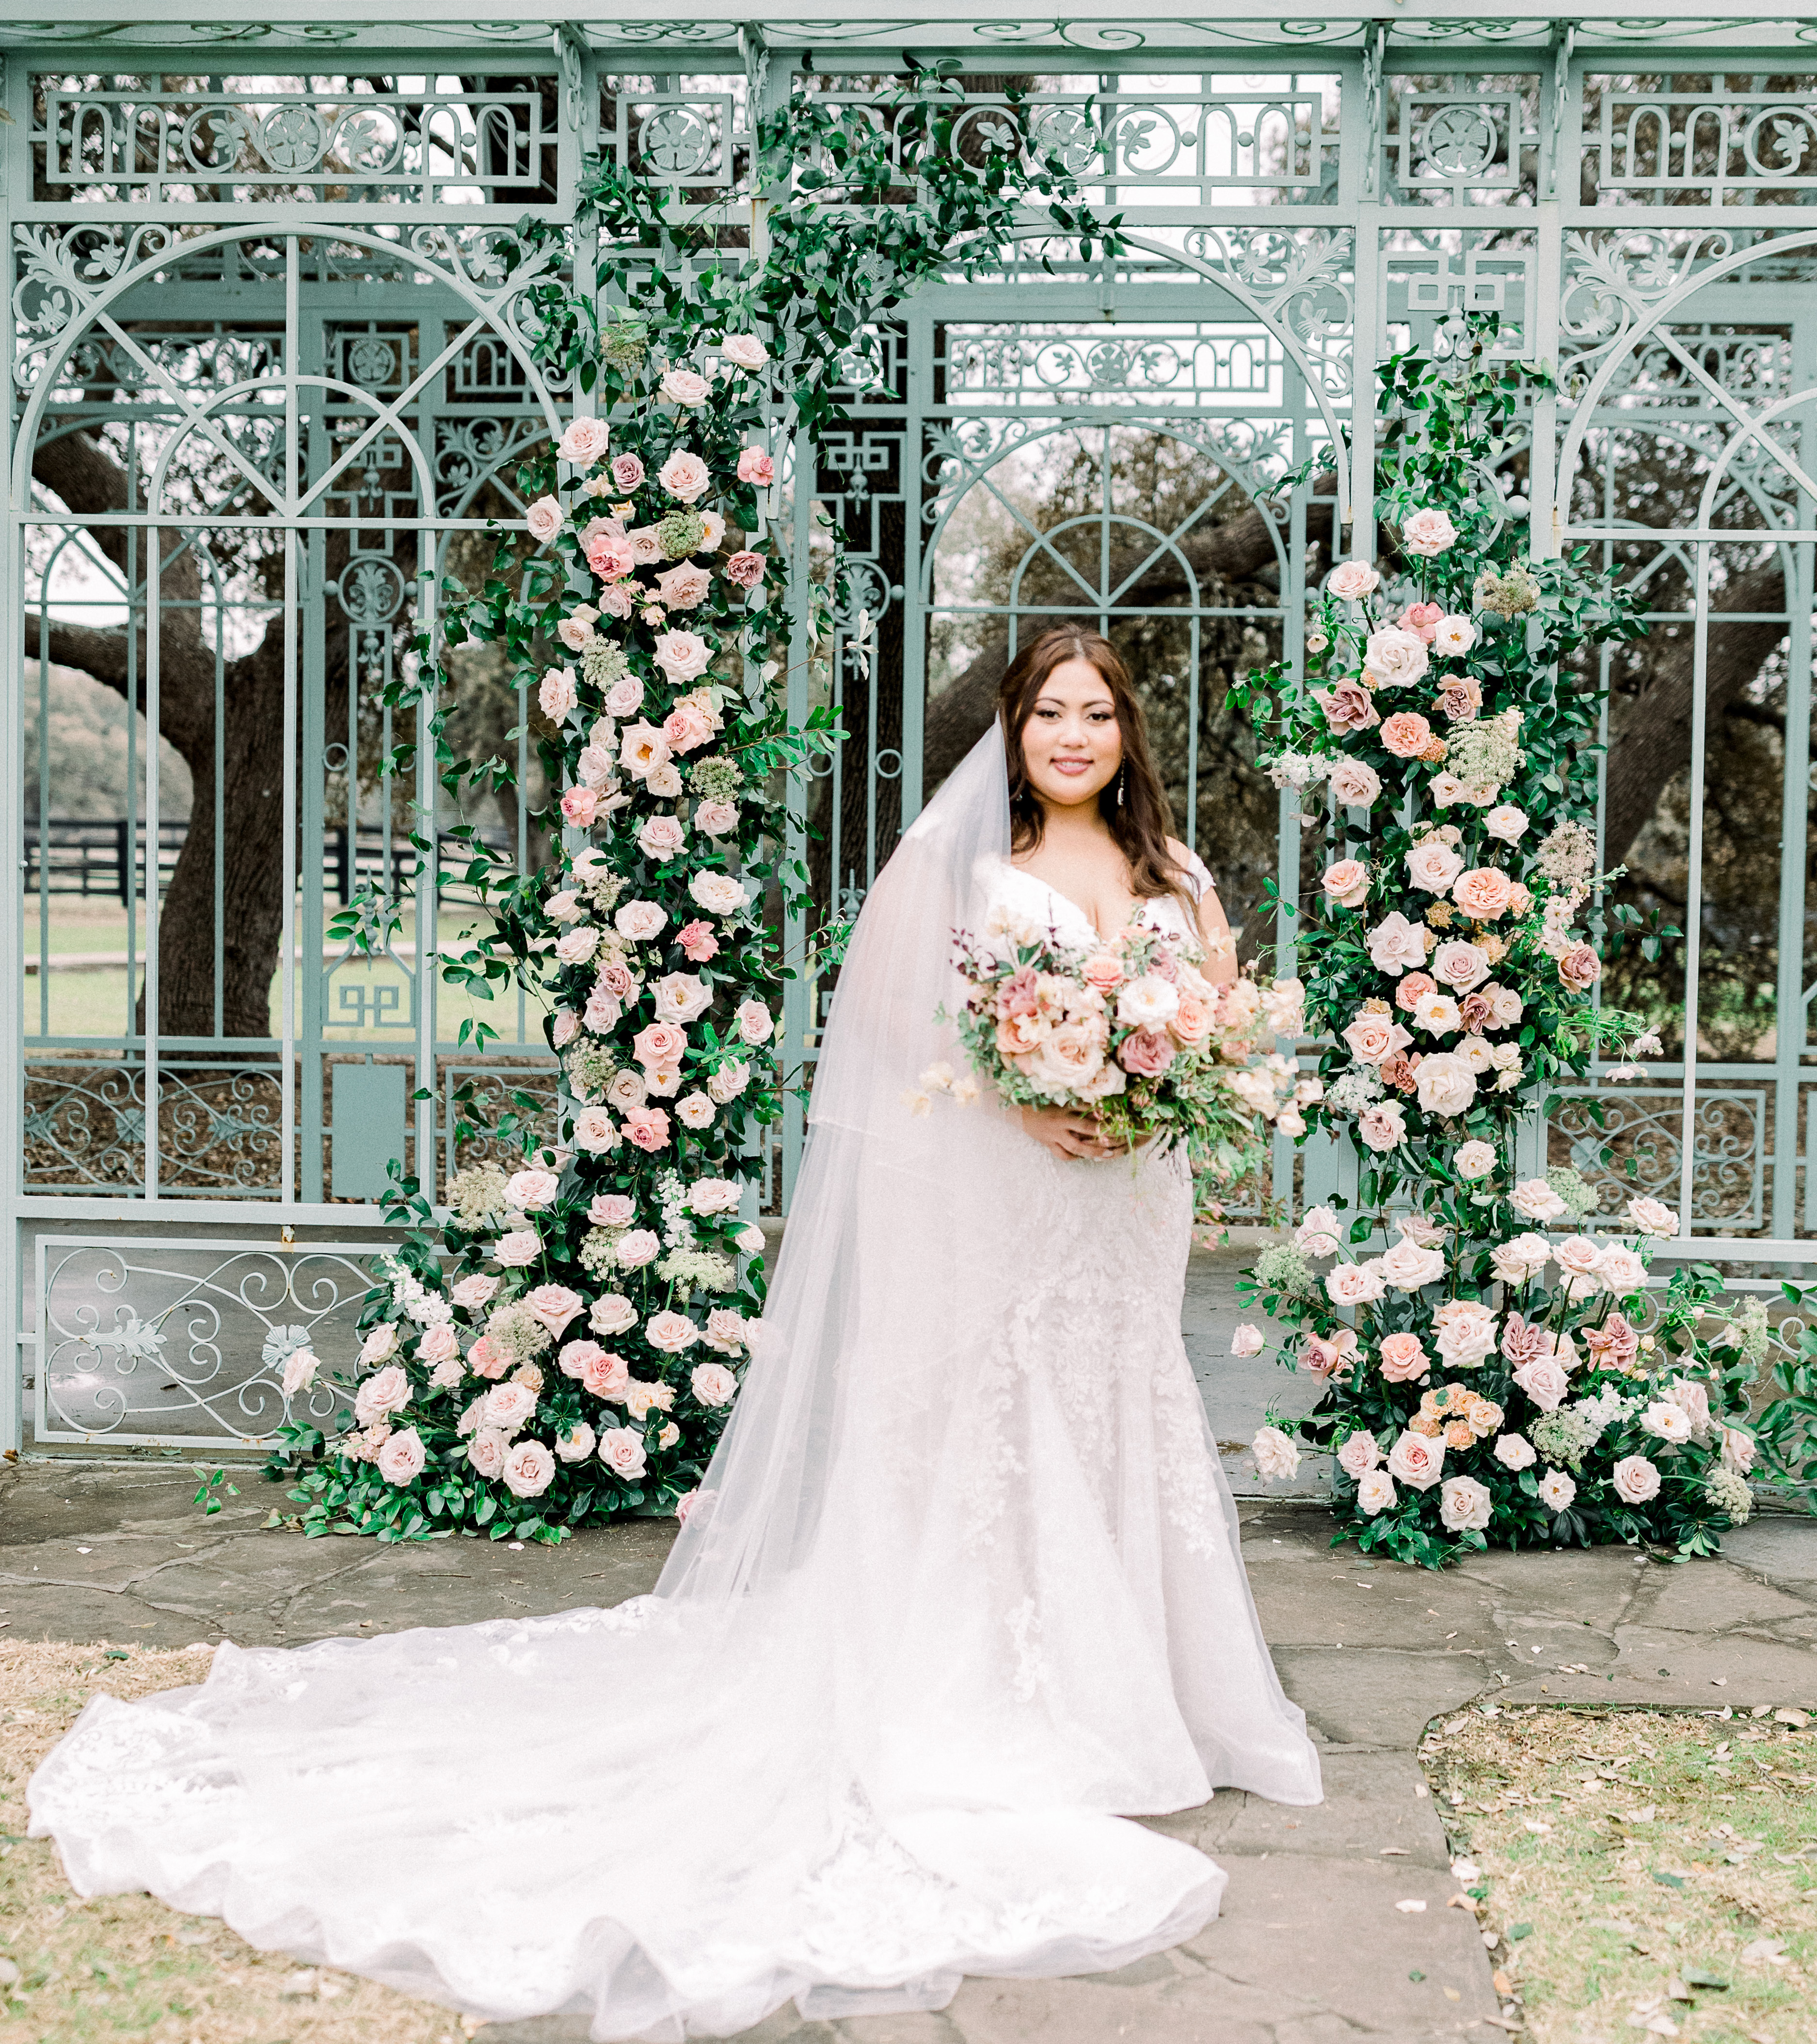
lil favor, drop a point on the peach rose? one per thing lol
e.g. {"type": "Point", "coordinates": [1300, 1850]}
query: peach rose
{"type": "Point", "coordinates": [1406, 734]}
{"type": "Point", "coordinates": [1347, 883]}
{"type": "Point", "coordinates": [1482, 893]}
{"type": "Point", "coordinates": [1403, 1361]}
{"type": "Point", "coordinates": [1413, 987]}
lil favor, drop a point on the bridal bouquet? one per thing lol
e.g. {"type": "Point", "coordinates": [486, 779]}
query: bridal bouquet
{"type": "Point", "coordinates": [1130, 1031]}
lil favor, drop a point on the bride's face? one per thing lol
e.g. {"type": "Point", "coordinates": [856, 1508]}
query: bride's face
{"type": "Point", "coordinates": [1070, 744]}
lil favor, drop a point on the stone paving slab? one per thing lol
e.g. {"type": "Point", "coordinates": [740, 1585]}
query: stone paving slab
{"type": "Point", "coordinates": [1308, 1948]}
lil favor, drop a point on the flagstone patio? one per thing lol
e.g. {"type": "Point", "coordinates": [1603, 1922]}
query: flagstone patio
{"type": "Point", "coordinates": [1310, 1947]}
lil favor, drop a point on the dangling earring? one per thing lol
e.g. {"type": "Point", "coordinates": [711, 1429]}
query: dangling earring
{"type": "Point", "coordinates": [1122, 775]}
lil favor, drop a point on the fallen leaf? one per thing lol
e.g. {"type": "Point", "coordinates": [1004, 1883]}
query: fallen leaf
{"type": "Point", "coordinates": [1661, 2026]}
{"type": "Point", "coordinates": [1517, 1931]}
{"type": "Point", "coordinates": [1668, 1880]}
{"type": "Point", "coordinates": [1466, 1869]}
{"type": "Point", "coordinates": [1410, 1906]}
{"type": "Point", "coordinates": [1797, 1719]}
{"type": "Point", "coordinates": [1763, 1951]}
{"type": "Point", "coordinates": [1695, 1977]}
{"type": "Point", "coordinates": [1501, 1982]}
{"type": "Point", "coordinates": [1676, 1990]}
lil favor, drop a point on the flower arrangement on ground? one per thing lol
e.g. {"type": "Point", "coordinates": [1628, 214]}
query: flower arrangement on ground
{"type": "Point", "coordinates": [1447, 967]}
{"type": "Point", "coordinates": [573, 1345]}
{"type": "Point", "coordinates": [1130, 1031]}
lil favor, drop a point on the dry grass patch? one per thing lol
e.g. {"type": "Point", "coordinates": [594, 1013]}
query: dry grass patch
{"type": "Point", "coordinates": [1639, 1873]}
{"type": "Point", "coordinates": [126, 1966]}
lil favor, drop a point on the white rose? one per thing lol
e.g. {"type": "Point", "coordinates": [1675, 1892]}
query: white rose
{"type": "Point", "coordinates": [1473, 1160]}
{"type": "Point", "coordinates": [1446, 1084]}
{"type": "Point", "coordinates": [1353, 1284]}
{"type": "Point", "coordinates": [712, 1384]}
{"type": "Point", "coordinates": [1621, 1270]}
{"type": "Point", "coordinates": [1506, 822]}
{"type": "Point", "coordinates": [577, 1443]}
{"type": "Point", "coordinates": [1147, 1003]}
{"type": "Point", "coordinates": [1396, 657]}
{"type": "Point", "coordinates": [1275, 1455]}
{"type": "Point", "coordinates": [1454, 635]}
{"type": "Point", "coordinates": [1515, 1451]}
{"type": "Point", "coordinates": [1557, 1490]}
{"type": "Point", "coordinates": [1247, 1340]}
{"type": "Point", "coordinates": [718, 893]}
{"type": "Point", "coordinates": [1465, 1332]}
{"type": "Point", "coordinates": [1359, 1455]}
{"type": "Point", "coordinates": [1667, 1420]}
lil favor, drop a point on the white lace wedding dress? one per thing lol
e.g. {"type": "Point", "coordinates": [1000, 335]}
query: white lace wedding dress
{"type": "Point", "coordinates": [966, 1594]}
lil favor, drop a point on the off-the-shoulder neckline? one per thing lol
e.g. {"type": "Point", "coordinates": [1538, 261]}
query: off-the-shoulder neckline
{"type": "Point", "coordinates": [1047, 886]}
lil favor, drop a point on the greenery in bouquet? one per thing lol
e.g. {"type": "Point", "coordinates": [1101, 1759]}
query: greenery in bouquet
{"type": "Point", "coordinates": [1130, 1031]}
{"type": "Point", "coordinates": [1450, 724]}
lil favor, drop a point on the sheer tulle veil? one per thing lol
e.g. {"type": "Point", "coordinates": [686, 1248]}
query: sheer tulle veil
{"type": "Point", "coordinates": [962, 1583]}
{"type": "Point", "coordinates": [871, 1245]}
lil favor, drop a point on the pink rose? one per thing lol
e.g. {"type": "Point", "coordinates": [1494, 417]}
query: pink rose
{"type": "Point", "coordinates": [756, 467]}
{"type": "Point", "coordinates": [683, 386]}
{"type": "Point", "coordinates": [556, 694]}
{"type": "Point", "coordinates": [626, 472]}
{"type": "Point", "coordinates": [684, 475]}
{"type": "Point", "coordinates": [1372, 1036]}
{"type": "Point", "coordinates": [1460, 965]}
{"type": "Point", "coordinates": [1351, 581]}
{"type": "Point", "coordinates": [611, 1210]}
{"type": "Point", "coordinates": [1147, 1053]}
{"type": "Point", "coordinates": [685, 587]}
{"type": "Point", "coordinates": [671, 1332]}
{"type": "Point", "coordinates": [712, 1384]}
{"type": "Point", "coordinates": [1347, 883]}
{"type": "Point", "coordinates": [1543, 1379]}
{"type": "Point", "coordinates": [660, 837]}
{"type": "Point", "coordinates": [684, 727]}
{"type": "Point", "coordinates": [625, 696]}
{"type": "Point", "coordinates": [638, 922]}
{"type": "Point", "coordinates": [745, 350]}
{"type": "Point", "coordinates": [531, 1188]}
{"type": "Point", "coordinates": [1634, 1479]}
{"type": "Point", "coordinates": [487, 1451]}
{"type": "Point", "coordinates": [595, 1131]}
{"type": "Point", "coordinates": [1579, 967]}
{"type": "Point", "coordinates": [529, 1469]}
{"type": "Point", "coordinates": [1416, 1460]}
{"type": "Point", "coordinates": [1432, 866]}
{"type": "Point", "coordinates": [518, 1250]}
{"type": "Point", "coordinates": [1406, 734]}
{"type": "Point", "coordinates": [1427, 533]}
{"type": "Point", "coordinates": [484, 1359]}
{"type": "Point", "coordinates": [470, 1293]}
{"type": "Point", "coordinates": [697, 941]}
{"type": "Point", "coordinates": [1395, 943]}
{"type": "Point", "coordinates": [508, 1409]}
{"type": "Point", "coordinates": [1422, 618]}
{"type": "Point", "coordinates": [1403, 1359]}
{"type": "Point", "coordinates": [389, 1391]}
{"type": "Point", "coordinates": [584, 442]}
{"type": "Point", "coordinates": [753, 1022]}
{"type": "Point", "coordinates": [659, 1044]}
{"type": "Point", "coordinates": [1412, 986]}
{"type": "Point", "coordinates": [439, 1344]}
{"type": "Point", "coordinates": [1358, 1455]}
{"type": "Point", "coordinates": [555, 1305]}
{"type": "Point", "coordinates": [648, 1127]}
{"type": "Point", "coordinates": [543, 519]}
{"type": "Point", "coordinates": [727, 1330]}
{"type": "Point", "coordinates": [1324, 1356]}
{"type": "Point", "coordinates": [401, 1458]}
{"type": "Point", "coordinates": [717, 818]}
{"type": "Point", "coordinates": [606, 1375]}
{"type": "Point", "coordinates": [744, 570]}
{"type": "Point", "coordinates": [1383, 1126]}
{"type": "Point", "coordinates": [576, 1357]}
{"type": "Point", "coordinates": [612, 559]}
{"type": "Point", "coordinates": [579, 807]}
{"type": "Point", "coordinates": [568, 1026]}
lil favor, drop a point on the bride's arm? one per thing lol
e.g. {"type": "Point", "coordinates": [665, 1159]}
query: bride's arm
{"type": "Point", "coordinates": [1220, 967]}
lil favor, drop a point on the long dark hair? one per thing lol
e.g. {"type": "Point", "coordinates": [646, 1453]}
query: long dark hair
{"type": "Point", "coordinates": [1141, 823]}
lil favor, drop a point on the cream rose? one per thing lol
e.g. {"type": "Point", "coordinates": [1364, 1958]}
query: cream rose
{"type": "Point", "coordinates": [1557, 1490]}
{"type": "Point", "coordinates": [718, 893]}
{"type": "Point", "coordinates": [1432, 866]}
{"type": "Point", "coordinates": [1351, 581]}
{"type": "Point", "coordinates": [1356, 786]}
{"type": "Point", "coordinates": [1353, 1284]}
{"type": "Point", "coordinates": [1464, 1504]}
{"type": "Point", "coordinates": [1634, 1479]}
{"type": "Point", "coordinates": [1383, 1127]}
{"type": "Point", "coordinates": [1652, 1216]}
{"type": "Point", "coordinates": [1407, 1267]}
{"type": "Point", "coordinates": [1472, 1161]}
{"type": "Point", "coordinates": [712, 1384]}
{"type": "Point", "coordinates": [1375, 1492]}
{"type": "Point", "coordinates": [1359, 1455]}
{"type": "Point", "coordinates": [1395, 943]}
{"type": "Point", "coordinates": [682, 655]}
{"type": "Point", "coordinates": [1396, 657]}
{"type": "Point", "coordinates": [1544, 1380]}
{"type": "Point", "coordinates": [544, 518]}
{"type": "Point", "coordinates": [1446, 1084]}
{"type": "Point", "coordinates": [1533, 1199]}
{"type": "Point", "coordinates": [1275, 1455]}
{"type": "Point", "coordinates": [1506, 822]}
{"type": "Point", "coordinates": [1428, 532]}
{"type": "Point", "coordinates": [1515, 1451]}
{"type": "Point", "coordinates": [584, 442]}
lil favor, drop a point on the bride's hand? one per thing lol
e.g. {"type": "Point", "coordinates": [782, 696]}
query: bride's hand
{"type": "Point", "coordinates": [1066, 1133]}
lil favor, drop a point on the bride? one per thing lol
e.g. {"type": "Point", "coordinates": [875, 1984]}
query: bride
{"type": "Point", "coordinates": [961, 1594]}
